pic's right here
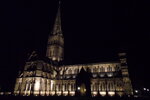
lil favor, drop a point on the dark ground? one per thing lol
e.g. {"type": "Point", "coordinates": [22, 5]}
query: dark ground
{"type": "Point", "coordinates": [69, 98]}
{"type": "Point", "coordinates": [94, 31]}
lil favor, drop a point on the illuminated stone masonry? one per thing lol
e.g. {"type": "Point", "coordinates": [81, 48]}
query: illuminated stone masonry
{"type": "Point", "coordinates": [49, 77]}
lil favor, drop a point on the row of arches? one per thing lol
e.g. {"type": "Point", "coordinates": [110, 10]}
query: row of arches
{"type": "Point", "coordinates": [43, 86]}
{"type": "Point", "coordinates": [107, 86]}
{"type": "Point", "coordinates": [76, 69]}
{"type": "Point", "coordinates": [37, 65]}
{"type": "Point", "coordinates": [63, 87]}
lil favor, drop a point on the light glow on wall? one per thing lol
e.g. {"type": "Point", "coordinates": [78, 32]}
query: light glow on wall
{"type": "Point", "coordinates": [94, 93]}
{"type": "Point", "coordinates": [110, 74]}
{"type": "Point", "coordinates": [52, 82]}
{"type": "Point", "coordinates": [94, 75]}
{"type": "Point", "coordinates": [111, 93]}
{"type": "Point", "coordinates": [72, 93]}
{"type": "Point", "coordinates": [103, 93]}
{"type": "Point", "coordinates": [58, 93]}
{"type": "Point", "coordinates": [52, 93]}
{"type": "Point", "coordinates": [37, 85]}
{"type": "Point", "coordinates": [65, 93]}
{"type": "Point", "coordinates": [102, 75]}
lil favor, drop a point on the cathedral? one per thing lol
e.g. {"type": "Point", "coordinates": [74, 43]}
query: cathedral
{"type": "Point", "coordinates": [50, 77]}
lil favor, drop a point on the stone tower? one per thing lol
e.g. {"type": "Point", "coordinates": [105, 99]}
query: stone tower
{"type": "Point", "coordinates": [125, 74]}
{"type": "Point", "coordinates": [55, 46]}
{"type": "Point", "coordinates": [34, 79]}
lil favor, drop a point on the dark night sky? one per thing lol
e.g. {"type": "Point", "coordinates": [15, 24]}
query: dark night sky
{"type": "Point", "coordinates": [94, 31]}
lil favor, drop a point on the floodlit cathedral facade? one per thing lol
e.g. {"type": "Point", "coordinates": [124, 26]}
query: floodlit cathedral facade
{"type": "Point", "coordinates": [49, 77]}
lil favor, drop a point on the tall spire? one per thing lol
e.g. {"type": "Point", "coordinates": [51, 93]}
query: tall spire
{"type": "Point", "coordinates": [55, 46]}
{"type": "Point", "coordinates": [57, 24]}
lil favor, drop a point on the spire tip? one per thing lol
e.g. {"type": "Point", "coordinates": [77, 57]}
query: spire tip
{"type": "Point", "coordinates": [59, 2]}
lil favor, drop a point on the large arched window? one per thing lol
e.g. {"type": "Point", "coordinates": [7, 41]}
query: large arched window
{"type": "Point", "coordinates": [112, 86]}
{"type": "Point", "coordinates": [108, 86]}
{"type": "Point", "coordinates": [27, 86]}
{"type": "Point", "coordinates": [76, 71]}
{"type": "Point", "coordinates": [94, 70]}
{"type": "Point", "coordinates": [101, 86]}
{"type": "Point", "coordinates": [65, 87]}
{"type": "Point", "coordinates": [102, 69]}
{"type": "Point", "coordinates": [116, 68]}
{"type": "Point", "coordinates": [109, 69]}
{"type": "Point", "coordinates": [72, 87]}
{"type": "Point", "coordinates": [69, 71]}
{"type": "Point", "coordinates": [59, 87]}
{"type": "Point", "coordinates": [53, 88]}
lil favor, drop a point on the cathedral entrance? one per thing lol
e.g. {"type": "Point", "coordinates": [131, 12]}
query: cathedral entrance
{"type": "Point", "coordinates": [83, 90]}
{"type": "Point", "coordinates": [83, 83]}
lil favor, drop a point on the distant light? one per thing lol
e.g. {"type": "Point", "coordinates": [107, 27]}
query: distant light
{"type": "Point", "coordinates": [1, 93]}
{"type": "Point", "coordinates": [78, 88]}
{"type": "Point", "coordinates": [147, 89]}
{"type": "Point", "coordinates": [136, 91]}
{"type": "Point", "coordinates": [144, 88]}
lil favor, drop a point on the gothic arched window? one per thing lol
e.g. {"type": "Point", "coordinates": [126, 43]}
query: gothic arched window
{"type": "Point", "coordinates": [109, 68]}
{"type": "Point", "coordinates": [94, 69]}
{"type": "Point", "coordinates": [72, 87]}
{"type": "Point", "coordinates": [59, 87]}
{"type": "Point", "coordinates": [53, 88]}
{"type": "Point", "coordinates": [117, 68]}
{"type": "Point", "coordinates": [70, 71]}
{"type": "Point", "coordinates": [65, 87]}
{"type": "Point", "coordinates": [76, 71]}
{"type": "Point", "coordinates": [102, 69]}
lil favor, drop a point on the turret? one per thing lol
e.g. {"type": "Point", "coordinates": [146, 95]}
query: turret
{"type": "Point", "coordinates": [125, 74]}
